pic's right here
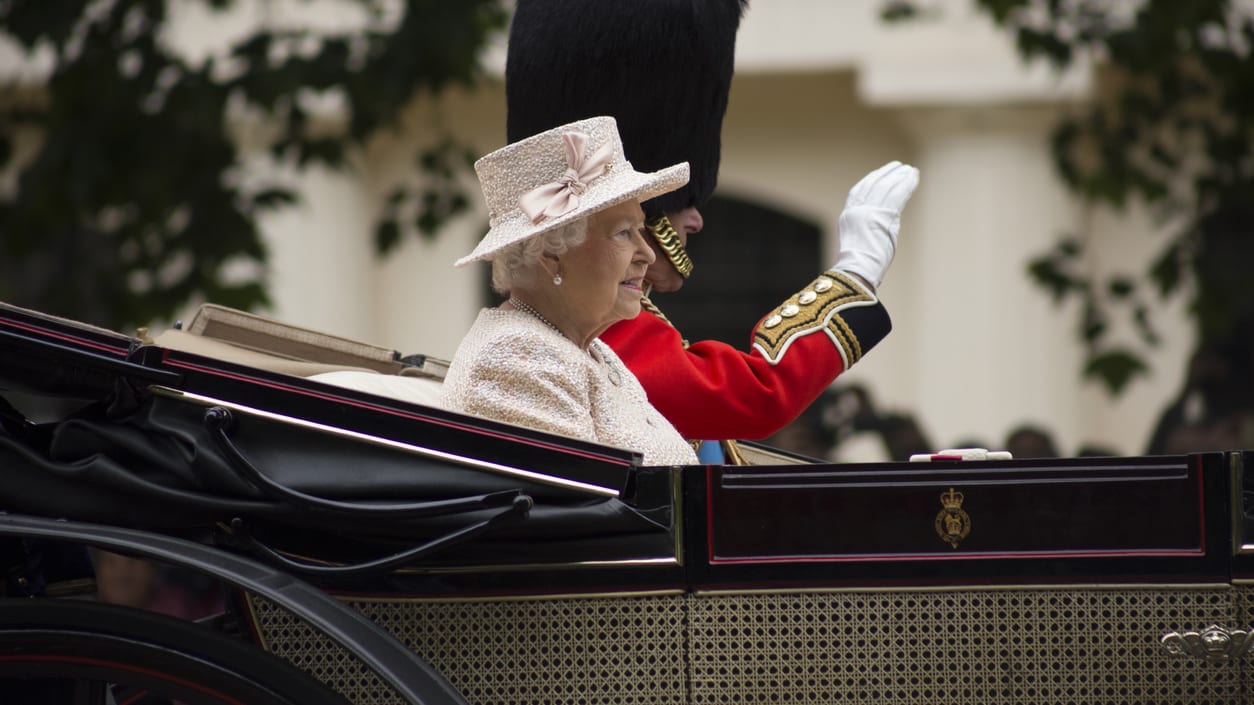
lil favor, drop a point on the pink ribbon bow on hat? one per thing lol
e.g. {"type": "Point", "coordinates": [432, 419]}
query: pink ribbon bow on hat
{"type": "Point", "coordinates": [562, 196]}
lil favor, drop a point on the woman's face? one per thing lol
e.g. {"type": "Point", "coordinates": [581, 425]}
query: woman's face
{"type": "Point", "coordinates": [602, 278]}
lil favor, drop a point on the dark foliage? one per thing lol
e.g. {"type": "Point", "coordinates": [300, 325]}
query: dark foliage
{"type": "Point", "coordinates": [132, 203]}
{"type": "Point", "coordinates": [1174, 128]}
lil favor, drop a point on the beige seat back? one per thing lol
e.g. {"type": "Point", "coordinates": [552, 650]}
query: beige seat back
{"type": "Point", "coordinates": [259, 341]}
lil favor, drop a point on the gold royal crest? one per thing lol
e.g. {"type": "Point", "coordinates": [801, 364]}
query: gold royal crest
{"type": "Point", "coordinates": [952, 523]}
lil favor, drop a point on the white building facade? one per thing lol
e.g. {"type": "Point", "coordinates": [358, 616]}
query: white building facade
{"type": "Point", "coordinates": [824, 92]}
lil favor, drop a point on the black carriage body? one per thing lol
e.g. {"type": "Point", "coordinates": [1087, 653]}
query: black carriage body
{"type": "Point", "coordinates": [571, 574]}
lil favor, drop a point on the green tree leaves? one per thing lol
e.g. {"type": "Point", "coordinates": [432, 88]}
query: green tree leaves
{"type": "Point", "coordinates": [1172, 126]}
{"type": "Point", "coordinates": [130, 204]}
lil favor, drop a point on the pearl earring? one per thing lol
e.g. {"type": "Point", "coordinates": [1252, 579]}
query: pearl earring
{"type": "Point", "coordinates": [557, 280]}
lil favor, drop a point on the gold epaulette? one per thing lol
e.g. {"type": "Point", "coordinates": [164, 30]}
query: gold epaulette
{"type": "Point", "coordinates": [652, 308]}
{"type": "Point", "coordinates": [816, 307]}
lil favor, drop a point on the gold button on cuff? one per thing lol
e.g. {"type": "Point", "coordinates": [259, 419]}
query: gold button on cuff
{"type": "Point", "coordinates": [773, 321]}
{"type": "Point", "coordinates": [807, 297]}
{"type": "Point", "coordinates": [790, 310]}
{"type": "Point", "coordinates": [822, 285]}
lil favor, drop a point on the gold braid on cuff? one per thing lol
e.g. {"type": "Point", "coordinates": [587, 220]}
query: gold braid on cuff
{"type": "Point", "coordinates": [669, 240]}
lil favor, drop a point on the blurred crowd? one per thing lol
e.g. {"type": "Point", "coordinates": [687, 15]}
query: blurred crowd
{"type": "Point", "coordinates": [845, 425]}
{"type": "Point", "coordinates": [1214, 410]}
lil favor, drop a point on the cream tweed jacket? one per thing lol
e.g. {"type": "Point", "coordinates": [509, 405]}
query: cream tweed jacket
{"type": "Point", "coordinates": [513, 367]}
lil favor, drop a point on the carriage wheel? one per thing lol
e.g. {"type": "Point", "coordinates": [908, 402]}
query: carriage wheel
{"type": "Point", "coordinates": [80, 651]}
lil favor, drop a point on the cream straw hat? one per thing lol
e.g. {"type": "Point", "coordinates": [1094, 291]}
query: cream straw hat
{"type": "Point", "coordinates": [570, 172]}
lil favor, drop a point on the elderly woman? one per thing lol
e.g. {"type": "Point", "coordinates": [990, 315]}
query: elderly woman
{"type": "Point", "coordinates": [567, 246]}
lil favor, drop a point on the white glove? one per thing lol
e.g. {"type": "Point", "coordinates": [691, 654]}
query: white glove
{"type": "Point", "coordinates": [871, 219]}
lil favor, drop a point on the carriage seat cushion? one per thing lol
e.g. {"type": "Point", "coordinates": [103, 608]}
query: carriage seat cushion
{"type": "Point", "coordinates": [416, 390]}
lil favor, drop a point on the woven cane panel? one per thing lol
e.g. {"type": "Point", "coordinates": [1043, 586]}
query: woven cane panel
{"type": "Point", "coordinates": [1244, 598]}
{"type": "Point", "coordinates": [1052, 647]}
{"type": "Point", "coordinates": [293, 639]}
{"type": "Point", "coordinates": [594, 651]}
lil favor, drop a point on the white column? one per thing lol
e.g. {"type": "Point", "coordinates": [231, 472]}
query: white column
{"type": "Point", "coordinates": [989, 349]}
{"type": "Point", "coordinates": [322, 262]}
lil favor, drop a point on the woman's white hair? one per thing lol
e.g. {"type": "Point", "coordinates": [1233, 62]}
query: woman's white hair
{"type": "Point", "coordinates": [519, 263]}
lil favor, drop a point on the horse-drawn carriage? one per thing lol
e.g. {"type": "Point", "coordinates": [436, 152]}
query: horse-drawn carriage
{"type": "Point", "coordinates": [383, 550]}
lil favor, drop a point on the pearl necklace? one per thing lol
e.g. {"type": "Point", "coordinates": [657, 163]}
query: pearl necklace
{"type": "Point", "coordinates": [526, 308]}
{"type": "Point", "coordinates": [611, 372]}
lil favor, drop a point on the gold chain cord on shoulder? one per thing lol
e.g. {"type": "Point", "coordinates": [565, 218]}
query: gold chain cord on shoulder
{"type": "Point", "coordinates": [731, 451]}
{"type": "Point", "coordinates": [652, 308]}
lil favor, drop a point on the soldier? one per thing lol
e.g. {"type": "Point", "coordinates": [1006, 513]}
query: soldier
{"type": "Point", "coordinates": [663, 69]}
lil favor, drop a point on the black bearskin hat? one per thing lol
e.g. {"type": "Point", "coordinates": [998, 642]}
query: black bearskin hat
{"type": "Point", "coordinates": [662, 68]}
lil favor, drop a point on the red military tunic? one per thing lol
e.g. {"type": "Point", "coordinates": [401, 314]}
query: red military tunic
{"type": "Point", "coordinates": [710, 390]}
